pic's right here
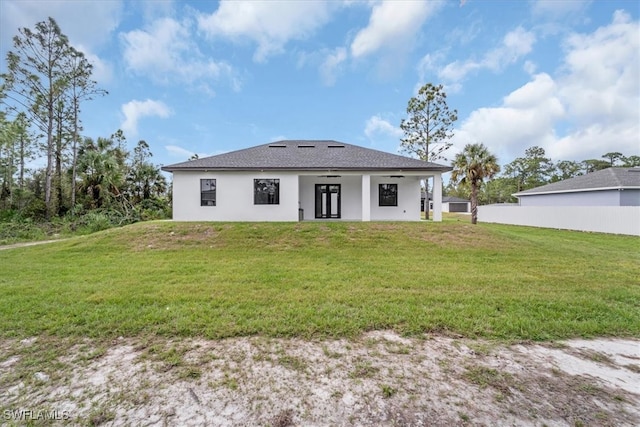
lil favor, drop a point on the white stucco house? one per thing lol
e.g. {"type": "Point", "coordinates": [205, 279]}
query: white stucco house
{"type": "Point", "coordinates": [608, 187]}
{"type": "Point", "coordinates": [303, 180]}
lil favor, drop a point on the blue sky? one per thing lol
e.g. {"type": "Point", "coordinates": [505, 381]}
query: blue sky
{"type": "Point", "coordinates": [210, 77]}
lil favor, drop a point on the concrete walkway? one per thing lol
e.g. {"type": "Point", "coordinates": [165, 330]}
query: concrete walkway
{"type": "Point", "coordinates": [24, 244]}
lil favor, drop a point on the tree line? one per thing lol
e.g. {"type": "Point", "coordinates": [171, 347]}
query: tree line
{"type": "Point", "coordinates": [48, 81]}
{"type": "Point", "coordinates": [428, 130]}
{"type": "Point", "coordinates": [535, 169]}
{"type": "Point", "coordinates": [42, 93]}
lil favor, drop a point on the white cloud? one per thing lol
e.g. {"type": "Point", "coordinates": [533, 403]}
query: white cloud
{"type": "Point", "coordinates": [427, 65]}
{"type": "Point", "coordinates": [600, 73]}
{"type": "Point", "coordinates": [166, 52]}
{"type": "Point", "coordinates": [525, 118]}
{"type": "Point", "coordinates": [332, 64]}
{"type": "Point", "coordinates": [176, 151]}
{"type": "Point", "coordinates": [185, 154]}
{"type": "Point", "coordinates": [557, 9]}
{"type": "Point", "coordinates": [102, 70]}
{"type": "Point", "coordinates": [600, 87]}
{"type": "Point", "coordinates": [270, 24]}
{"type": "Point", "coordinates": [554, 17]}
{"type": "Point", "coordinates": [135, 110]}
{"type": "Point", "coordinates": [392, 27]}
{"type": "Point", "coordinates": [530, 67]}
{"type": "Point", "coordinates": [590, 108]}
{"type": "Point", "coordinates": [515, 45]}
{"type": "Point", "coordinates": [392, 24]}
{"type": "Point", "coordinates": [376, 127]}
{"type": "Point", "coordinates": [98, 19]}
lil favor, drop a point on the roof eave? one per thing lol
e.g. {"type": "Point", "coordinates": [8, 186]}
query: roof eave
{"type": "Point", "coordinates": [578, 190]}
{"type": "Point", "coordinates": [240, 169]}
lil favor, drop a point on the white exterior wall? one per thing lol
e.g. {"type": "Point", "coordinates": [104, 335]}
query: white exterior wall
{"type": "Point", "coordinates": [630, 198]}
{"type": "Point", "coordinates": [234, 197]}
{"type": "Point", "coordinates": [408, 208]}
{"type": "Point", "coordinates": [587, 198]}
{"type": "Point", "coordinates": [603, 219]}
{"type": "Point", "coordinates": [366, 197]}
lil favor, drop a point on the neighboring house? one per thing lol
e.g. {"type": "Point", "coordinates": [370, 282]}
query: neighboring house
{"type": "Point", "coordinates": [607, 187]}
{"type": "Point", "coordinates": [295, 180]}
{"type": "Point", "coordinates": [606, 201]}
{"type": "Point", "coordinates": [449, 204]}
{"type": "Point", "coordinates": [455, 204]}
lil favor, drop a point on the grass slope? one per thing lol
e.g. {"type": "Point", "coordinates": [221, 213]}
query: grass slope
{"type": "Point", "coordinates": [320, 279]}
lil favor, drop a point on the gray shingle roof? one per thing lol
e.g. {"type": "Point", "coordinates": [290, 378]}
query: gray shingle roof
{"type": "Point", "coordinates": [451, 199]}
{"type": "Point", "coordinates": [308, 155]}
{"type": "Point", "coordinates": [611, 178]}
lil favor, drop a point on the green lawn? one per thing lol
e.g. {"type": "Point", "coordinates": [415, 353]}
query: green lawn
{"type": "Point", "coordinates": [324, 279]}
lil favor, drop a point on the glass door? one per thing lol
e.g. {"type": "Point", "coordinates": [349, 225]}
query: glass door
{"type": "Point", "coordinates": [327, 200]}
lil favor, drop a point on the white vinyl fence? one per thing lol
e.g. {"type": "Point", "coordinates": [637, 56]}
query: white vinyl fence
{"type": "Point", "coordinates": [602, 219]}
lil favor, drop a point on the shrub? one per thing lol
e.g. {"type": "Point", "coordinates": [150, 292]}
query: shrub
{"type": "Point", "coordinates": [19, 229]}
{"type": "Point", "coordinates": [98, 220]}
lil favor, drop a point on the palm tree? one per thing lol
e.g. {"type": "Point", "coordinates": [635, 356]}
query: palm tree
{"type": "Point", "coordinates": [101, 168]}
{"type": "Point", "coordinates": [472, 166]}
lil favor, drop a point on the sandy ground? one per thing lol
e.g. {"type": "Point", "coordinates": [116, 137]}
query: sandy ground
{"type": "Point", "coordinates": [377, 379]}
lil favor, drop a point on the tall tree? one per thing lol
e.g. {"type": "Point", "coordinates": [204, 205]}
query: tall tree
{"type": "Point", "coordinates": [37, 79]}
{"type": "Point", "coordinates": [81, 88]}
{"type": "Point", "coordinates": [472, 166]}
{"type": "Point", "coordinates": [631, 161]}
{"type": "Point", "coordinates": [62, 138]}
{"type": "Point", "coordinates": [532, 170]}
{"type": "Point", "coordinates": [498, 190]}
{"type": "Point", "coordinates": [429, 126]}
{"type": "Point", "coordinates": [613, 157]}
{"type": "Point", "coordinates": [7, 159]}
{"type": "Point", "coordinates": [25, 147]}
{"type": "Point", "coordinates": [16, 141]}
{"type": "Point", "coordinates": [144, 178]}
{"type": "Point", "coordinates": [566, 169]}
{"type": "Point", "coordinates": [593, 165]}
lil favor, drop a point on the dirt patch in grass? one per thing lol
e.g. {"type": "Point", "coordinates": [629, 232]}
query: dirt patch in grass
{"type": "Point", "coordinates": [177, 237]}
{"type": "Point", "coordinates": [378, 379]}
{"type": "Point", "coordinates": [169, 235]}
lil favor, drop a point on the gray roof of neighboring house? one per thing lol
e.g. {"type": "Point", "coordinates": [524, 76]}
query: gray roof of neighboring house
{"type": "Point", "coordinates": [448, 199]}
{"type": "Point", "coordinates": [307, 155]}
{"type": "Point", "coordinates": [606, 179]}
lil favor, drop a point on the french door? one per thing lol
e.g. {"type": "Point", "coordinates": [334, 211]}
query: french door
{"type": "Point", "coordinates": [327, 200]}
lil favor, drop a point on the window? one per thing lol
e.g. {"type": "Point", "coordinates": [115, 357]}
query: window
{"type": "Point", "coordinates": [266, 191]}
{"type": "Point", "coordinates": [207, 192]}
{"type": "Point", "coordinates": [388, 194]}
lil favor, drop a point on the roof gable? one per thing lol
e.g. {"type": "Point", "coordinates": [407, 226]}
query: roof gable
{"type": "Point", "coordinates": [309, 155]}
{"type": "Point", "coordinates": [611, 178]}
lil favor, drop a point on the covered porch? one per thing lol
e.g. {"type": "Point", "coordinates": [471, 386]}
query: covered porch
{"type": "Point", "coordinates": [366, 196]}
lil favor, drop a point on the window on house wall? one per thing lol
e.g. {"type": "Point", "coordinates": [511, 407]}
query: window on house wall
{"type": "Point", "coordinates": [266, 191]}
{"type": "Point", "coordinates": [207, 192]}
{"type": "Point", "coordinates": [388, 194]}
